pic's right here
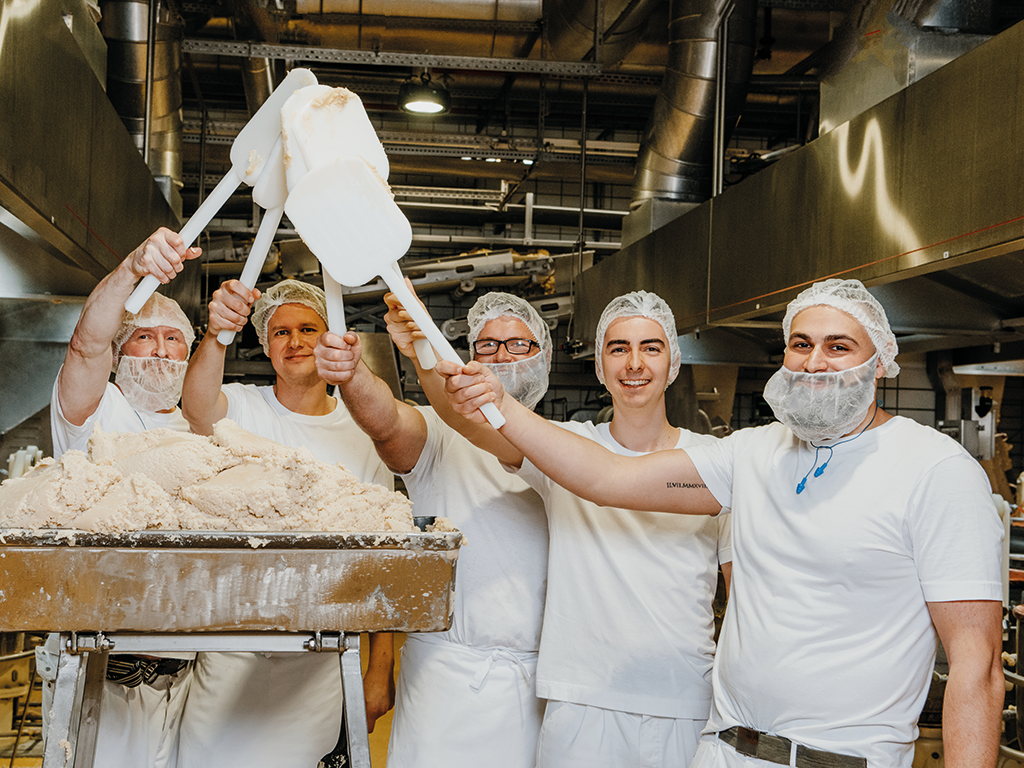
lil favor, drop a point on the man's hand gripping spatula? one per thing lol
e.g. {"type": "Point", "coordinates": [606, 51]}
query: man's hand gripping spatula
{"type": "Point", "coordinates": [346, 215]}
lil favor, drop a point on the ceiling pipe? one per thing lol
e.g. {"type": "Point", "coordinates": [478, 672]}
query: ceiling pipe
{"type": "Point", "coordinates": [126, 28]}
{"type": "Point", "coordinates": [571, 28]}
{"type": "Point", "coordinates": [675, 158]}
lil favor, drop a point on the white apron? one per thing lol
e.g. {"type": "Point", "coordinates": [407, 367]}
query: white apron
{"type": "Point", "coordinates": [463, 706]}
{"type": "Point", "coordinates": [249, 710]}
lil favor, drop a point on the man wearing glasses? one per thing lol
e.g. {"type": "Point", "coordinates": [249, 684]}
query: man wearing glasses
{"type": "Point", "coordinates": [466, 697]}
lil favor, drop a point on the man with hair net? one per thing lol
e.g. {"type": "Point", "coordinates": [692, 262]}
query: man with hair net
{"type": "Point", "coordinates": [142, 696]}
{"type": "Point", "coordinates": [281, 710]}
{"type": "Point", "coordinates": [858, 537]}
{"type": "Point", "coordinates": [627, 643]}
{"type": "Point", "coordinates": [466, 697]}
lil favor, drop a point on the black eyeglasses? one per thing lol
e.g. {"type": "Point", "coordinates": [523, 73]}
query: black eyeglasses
{"type": "Point", "coordinates": [488, 347]}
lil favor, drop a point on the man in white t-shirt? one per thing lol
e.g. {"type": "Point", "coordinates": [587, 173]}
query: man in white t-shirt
{"type": "Point", "coordinates": [858, 537]}
{"type": "Point", "coordinates": [627, 644]}
{"type": "Point", "coordinates": [466, 697]}
{"type": "Point", "coordinates": [281, 710]}
{"type": "Point", "coordinates": [142, 696]}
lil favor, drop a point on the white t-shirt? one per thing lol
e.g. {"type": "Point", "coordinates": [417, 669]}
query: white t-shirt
{"type": "Point", "coordinates": [828, 639]}
{"type": "Point", "coordinates": [113, 414]}
{"type": "Point", "coordinates": [628, 624]}
{"type": "Point", "coordinates": [502, 571]}
{"type": "Point", "coordinates": [334, 437]}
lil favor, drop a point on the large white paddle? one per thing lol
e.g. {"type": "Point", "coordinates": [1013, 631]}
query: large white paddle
{"type": "Point", "coordinates": [319, 125]}
{"type": "Point", "coordinates": [249, 153]}
{"type": "Point", "coordinates": [347, 216]}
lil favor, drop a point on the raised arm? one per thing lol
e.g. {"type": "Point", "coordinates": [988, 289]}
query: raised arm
{"type": "Point", "coordinates": [398, 431]}
{"type": "Point", "coordinates": [404, 332]}
{"type": "Point", "coordinates": [665, 481]}
{"type": "Point", "coordinates": [86, 369]}
{"type": "Point", "coordinates": [971, 633]}
{"type": "Point", "coordinates": [203, 403]}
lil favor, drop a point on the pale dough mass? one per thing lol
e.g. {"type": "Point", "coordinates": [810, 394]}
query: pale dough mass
{"type": "Point", "coordinates": [169, 480]}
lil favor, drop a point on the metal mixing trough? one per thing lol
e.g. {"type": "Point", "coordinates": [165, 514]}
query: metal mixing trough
{"type": "Point", "coordinates": [153, 591]}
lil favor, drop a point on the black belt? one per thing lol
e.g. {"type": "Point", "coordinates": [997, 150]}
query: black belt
{"type": "Point", "coordinates": [776, 749]}
{"type": "Point", "coordinates": [132, 671]}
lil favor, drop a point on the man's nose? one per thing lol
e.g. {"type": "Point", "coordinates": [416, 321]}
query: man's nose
{"type": "Point", "coordinates": [816, 361]}
{"type": "Point", "coordinates": [502, 355]}
{"type": "Point", "coordinates": [160, 350]}
{"type": "Point", "coordinates": [635, 360]}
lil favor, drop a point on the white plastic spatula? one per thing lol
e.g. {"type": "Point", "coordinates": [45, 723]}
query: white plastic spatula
{"type": "Point", "coordinates": [346, 215]}
{"type": "Point", "coordinates": [270, 193]}
{"type": "Point", "coordinates": [319, 125]}
{"type": "Point", "coordinates": [249, 153]}
{"type": "Point", "coordinates": [333, 124]}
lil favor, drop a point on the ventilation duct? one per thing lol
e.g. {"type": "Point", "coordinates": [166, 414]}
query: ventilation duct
{"type": "Point", "coordinates": [125, 26]}
{"type": "Point", "coordinates": [258, 81]}
{"type": "Point", "coordinates": [571, 28]}
{"type": "Point", "coordinates": [675, 158]}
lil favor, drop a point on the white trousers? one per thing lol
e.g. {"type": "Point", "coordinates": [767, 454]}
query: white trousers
{"type": "Point", "coordinates": [578, 736]}
{"type": "Point", "coordinates": [249, 710]}
{"type": "Point", "coordinates": [463, 707]}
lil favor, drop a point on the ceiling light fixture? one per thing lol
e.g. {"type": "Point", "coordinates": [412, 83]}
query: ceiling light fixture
{"type": "Point", "coordinates": [423, 97]}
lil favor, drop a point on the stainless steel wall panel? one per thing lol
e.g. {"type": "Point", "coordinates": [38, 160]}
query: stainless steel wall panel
{"type": "Point", "coordinates": [66, 162]}
{"type": "Point", "coordinates": [927, 180]}
{"type": "Point", "coordinates": [671, 261]}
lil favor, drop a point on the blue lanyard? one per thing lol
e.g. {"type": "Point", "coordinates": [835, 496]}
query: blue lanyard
{"type": "Point", "coordinates": [818, 471]}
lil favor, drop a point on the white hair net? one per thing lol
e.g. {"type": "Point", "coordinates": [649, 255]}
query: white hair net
{"type": "Point", "coordinates": [851, 297]}
{"type": "Point", "coordinates": [526, 380]}
{"type": "Point", "coordinates": [285, 292]}
{"type": "Point", "coordinates": [496, 304]}
{"type": "Point", "coordinates": [640, 304]}
{"type": "Point", "coordinates": [159, 310]}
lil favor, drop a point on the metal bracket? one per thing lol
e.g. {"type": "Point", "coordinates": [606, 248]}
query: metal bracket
{"type": "Point", "coordinates": [84, 642]}
{"type": "Point", "coordinates": [326, 641]}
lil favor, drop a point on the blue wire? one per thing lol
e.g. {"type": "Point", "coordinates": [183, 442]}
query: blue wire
{"type": "Point", "coordinates": [819, 471]}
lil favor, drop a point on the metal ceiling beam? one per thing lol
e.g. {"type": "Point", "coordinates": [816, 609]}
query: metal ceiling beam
{"type": "Point", "coordinates": [303, 53]}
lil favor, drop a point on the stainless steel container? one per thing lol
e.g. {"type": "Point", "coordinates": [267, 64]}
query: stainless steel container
{"type": "Point", "coordinates": [189, 581]}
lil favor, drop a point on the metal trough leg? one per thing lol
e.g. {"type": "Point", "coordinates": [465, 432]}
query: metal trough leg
{"type": "Point", "coordinates": [92, 697]}
{"type": "Point", "coordinates": [355, 705]}
{"type": "Point", "coordinates": [62, 731]}
{"type": "Point", "coordinates": [74, 724]}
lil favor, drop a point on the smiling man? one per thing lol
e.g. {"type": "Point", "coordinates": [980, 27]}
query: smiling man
{"type": "Point", "coordinates": [628, 634]}
{"type": "Point", "coordinates": [857, 538]}
{"type": "Point", "coordinates": [282, 710]}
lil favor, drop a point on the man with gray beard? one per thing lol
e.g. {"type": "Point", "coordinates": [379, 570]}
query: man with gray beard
{"type": "Point", "coordinates": [143, 696]}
